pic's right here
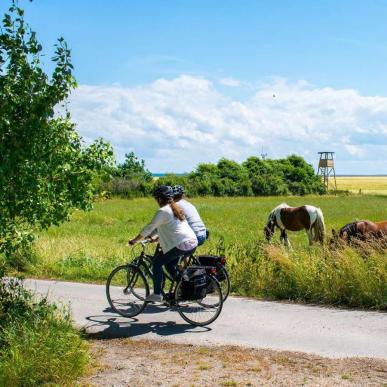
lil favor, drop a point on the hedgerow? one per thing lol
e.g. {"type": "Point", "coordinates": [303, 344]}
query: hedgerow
{"type": "Point", "coordinates": [254, 177]}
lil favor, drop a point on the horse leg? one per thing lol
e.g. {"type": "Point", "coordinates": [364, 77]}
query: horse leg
{"type": "Point", "coordinates": [287, 242]}
{"type": "Point", "coordinates": [285, 238]}
{"type": "Point", "coordinates": [282, 239]}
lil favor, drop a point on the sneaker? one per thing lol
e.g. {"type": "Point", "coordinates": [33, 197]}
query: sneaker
{"type": "Point", "coordinates": [154, 298]}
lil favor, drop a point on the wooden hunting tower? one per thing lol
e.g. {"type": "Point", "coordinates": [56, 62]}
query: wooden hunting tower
{"type": "Point", "coordinates": [326, 169]}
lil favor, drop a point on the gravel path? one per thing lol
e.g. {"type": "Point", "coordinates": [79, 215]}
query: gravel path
{"type": "Point", "coordinates": [244, 322]}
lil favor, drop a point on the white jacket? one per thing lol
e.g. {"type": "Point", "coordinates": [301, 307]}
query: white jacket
{"type": "Point", "coordinates": [193, 217]}
{"type": "Point", "coordinates": [171, 231]}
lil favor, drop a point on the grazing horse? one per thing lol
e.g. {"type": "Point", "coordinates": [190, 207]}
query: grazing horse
{"type": "Point", "coordinates": [307, 218]}
{"type": "Point", "coordinates": [362, 230]}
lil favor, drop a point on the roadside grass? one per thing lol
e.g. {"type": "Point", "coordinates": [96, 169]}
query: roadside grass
{"type": "Point", "coordinates": [343, 277]}
{"type": "Point", "coordinates": [89, 246]}
{"type": "Point", "coordinates": [38, 344]}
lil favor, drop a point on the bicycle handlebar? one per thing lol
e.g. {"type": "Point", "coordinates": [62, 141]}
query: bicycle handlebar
{"type": "Point", "coordinates": [143, 243]}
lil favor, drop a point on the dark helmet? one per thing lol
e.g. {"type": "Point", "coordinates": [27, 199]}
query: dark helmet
{"type": "Point", "coordinates": [178, 190]}
{"type": "Point", "coordinates": [163, 192]}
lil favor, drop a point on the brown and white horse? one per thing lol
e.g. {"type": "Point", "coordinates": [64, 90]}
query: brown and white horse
{"type": "Point", "coordinates": [307, 218]}
{"type": "Point", "coordinates": [363, 230]}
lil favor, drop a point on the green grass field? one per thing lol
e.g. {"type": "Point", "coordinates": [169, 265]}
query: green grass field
{"type": "Point", "coordinates": [91, 244]}
{"type": "Point", "coordinates": [363, 184]}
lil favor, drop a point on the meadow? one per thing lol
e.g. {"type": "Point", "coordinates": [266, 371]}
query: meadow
{"type": "Point", "coordinates": [91, 244]}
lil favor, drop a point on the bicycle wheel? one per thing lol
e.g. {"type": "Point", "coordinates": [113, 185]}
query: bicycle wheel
{"type": "Point", "coordinates": [222, 276]}
{"type": "Point", "coordinates": [200, 312]}
{"type": "Point", "coordinates": [225, 283]}
{"type": "Point", "coordinates": [126, 290]}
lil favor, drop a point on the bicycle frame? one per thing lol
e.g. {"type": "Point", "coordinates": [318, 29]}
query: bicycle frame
{"type": "Point", "coordinates": [144, 263]}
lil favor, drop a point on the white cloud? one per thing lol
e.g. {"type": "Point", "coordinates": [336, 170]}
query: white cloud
{"type": "Point", "coordinates": [230, 82]}
{"type": "Point", "coordinates": [175, 124]}
{"type": "Point", "coordinates": [354, 150]}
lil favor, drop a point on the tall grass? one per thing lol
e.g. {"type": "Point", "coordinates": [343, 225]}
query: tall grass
{"type": "Point", "coordinates": [88, 247]}
{"type": "Point", "coordinates": [317, 275]}
{"type": "Point", "coordinates": [38, 344]}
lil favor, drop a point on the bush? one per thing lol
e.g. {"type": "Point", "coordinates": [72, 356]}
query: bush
{"type": "Point", "coordinates": [22, 258]}
{"type": "Point", "coordinates": [129, 188]}
{"type": "Point", "coordinates": [38, 344]}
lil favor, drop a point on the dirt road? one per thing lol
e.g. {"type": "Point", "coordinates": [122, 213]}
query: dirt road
{"type": "Point", "coordinates": [244, 322]}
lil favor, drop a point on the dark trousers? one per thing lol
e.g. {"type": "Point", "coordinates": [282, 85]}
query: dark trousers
{"type": "Point", "coordinates": [169, 260]}
{"type": "Point", "coordinates": [202, 238]}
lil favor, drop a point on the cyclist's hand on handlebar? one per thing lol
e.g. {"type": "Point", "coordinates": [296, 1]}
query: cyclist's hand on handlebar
{"type": "Point", "coordinates": [152, 239]}
{"type": "Point", "coordinates": [139, 238]}
{"type": "Point", "coordinates": [135, 240]}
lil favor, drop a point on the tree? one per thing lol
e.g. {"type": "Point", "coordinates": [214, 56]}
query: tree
{"type": "Point", "coordinates": [45, 171]}
{"type": "Point", "coordinates": [132, 167]}
{"type": "Point", "coordinates": [300, 176]}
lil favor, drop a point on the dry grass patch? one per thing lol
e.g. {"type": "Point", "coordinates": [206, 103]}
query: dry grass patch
{"type": "Point", "coordinates": [149, 363]}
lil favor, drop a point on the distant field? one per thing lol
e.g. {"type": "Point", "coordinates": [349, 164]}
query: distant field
{"type": "Point", "coordinates": [91, 244]}
{"type": "Point", "coordinates": [363, 184]}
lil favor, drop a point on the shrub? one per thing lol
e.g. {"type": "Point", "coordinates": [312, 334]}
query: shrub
{"type": "Point", "coordinates": [38, 344]}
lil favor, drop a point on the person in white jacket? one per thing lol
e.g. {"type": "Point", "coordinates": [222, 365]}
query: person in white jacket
{"type": "Point", "coordinates": [191, 214]}
{"type": "Point", "coordinates": [176, 238]}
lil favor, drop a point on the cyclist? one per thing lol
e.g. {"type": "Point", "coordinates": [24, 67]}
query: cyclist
{"type": "Point", "coordinates": [191, 214]}
{"type": "Point", "coordinates": [177, 239]}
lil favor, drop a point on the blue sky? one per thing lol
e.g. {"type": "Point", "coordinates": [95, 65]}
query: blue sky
{"type": "Point", "coordinates": [227, 56]}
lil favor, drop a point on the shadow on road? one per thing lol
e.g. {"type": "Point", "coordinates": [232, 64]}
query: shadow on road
{"type": "Point", "coordinates": [112, 326]}
{"type": "Point", "coordinates": [150, 309]}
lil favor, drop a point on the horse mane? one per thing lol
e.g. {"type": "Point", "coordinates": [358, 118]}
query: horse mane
{"type": "Point", "coordinates": [349, 228]}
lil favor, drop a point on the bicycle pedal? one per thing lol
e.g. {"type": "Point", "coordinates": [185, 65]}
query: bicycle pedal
{"type": "Point", "coordinates": [168, 296]}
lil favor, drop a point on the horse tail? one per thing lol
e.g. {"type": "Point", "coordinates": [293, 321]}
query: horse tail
{"type": "Point", "coordinates": [319, 226]}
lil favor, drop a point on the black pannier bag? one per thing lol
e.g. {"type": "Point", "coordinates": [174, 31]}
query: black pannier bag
{"type": "Point", "coordinates": [194, 284]}
{"type": "Point", "coordinates": [217, 261]}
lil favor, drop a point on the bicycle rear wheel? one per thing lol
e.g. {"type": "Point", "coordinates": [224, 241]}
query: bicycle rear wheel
{"type": "Point", "coordinates": [204, 311]}
{"type": "Point", "coordinates": [126, 290]}
{"type": "Point", "coordinates": [222, 276]}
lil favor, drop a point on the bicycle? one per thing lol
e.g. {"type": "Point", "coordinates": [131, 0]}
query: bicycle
{"type": "Point", "coordinates": [193, 290]}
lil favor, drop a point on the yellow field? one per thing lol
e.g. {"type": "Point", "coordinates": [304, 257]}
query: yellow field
{"type": "Point", "coordinates": [363, 184]}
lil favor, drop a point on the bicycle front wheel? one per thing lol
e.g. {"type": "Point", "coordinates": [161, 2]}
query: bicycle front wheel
{"type": "Point", "coordinates": [204, 311]}
{"type": "Point", "coordinates": [126, 290]}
